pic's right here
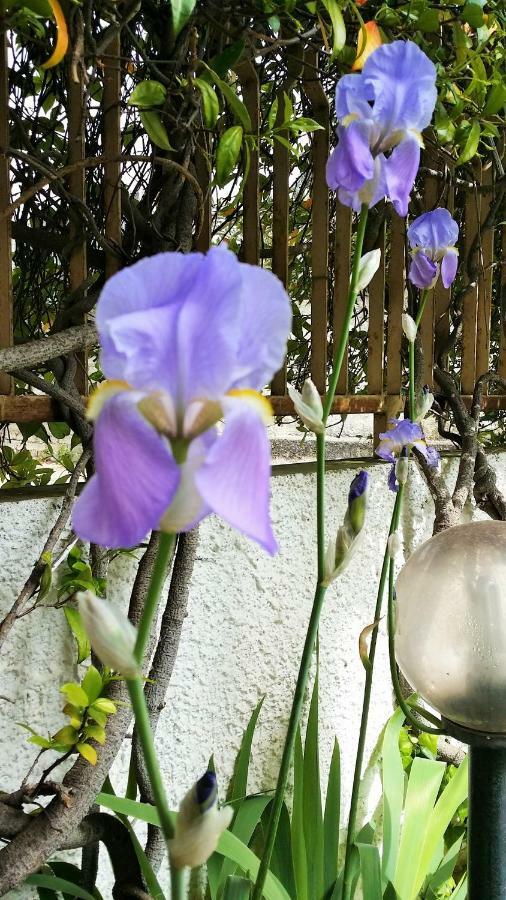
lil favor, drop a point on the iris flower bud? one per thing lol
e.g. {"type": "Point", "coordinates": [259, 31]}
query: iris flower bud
{"type": "Point", "coordinates": [308, 406]}
{"type": "Point", "coordinates": [424, 404]}
{"type": "Point", "coordinates": [199, 824]}
{"type": "Point", "coordinates": [111, 633]}
{"type": "Point", "coordinates": [339, 554]}
{"type": "Point", "coordinates": [402, 469]}
{"type": "Point", "coordinates": [409, 327]}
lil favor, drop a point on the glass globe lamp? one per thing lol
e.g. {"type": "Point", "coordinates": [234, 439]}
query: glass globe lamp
{"type": "Point", "coordinates": [451, 646]}
{"type": "Point", "coordinates": [451, 624]}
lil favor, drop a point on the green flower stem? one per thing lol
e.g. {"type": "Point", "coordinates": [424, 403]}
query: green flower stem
{"type": "Point", "coordinates": [350, 834]}
{"type": "Point", "coordinates": [138, 700]}
{"type": "Point", "coordinates": [314, 621]}
{"type": "Point", "coordinates": [139, 706]}
{"type": "Point", "coordinates": [411, 347]}
{"type": "Point", "coordinates": [158, 576]}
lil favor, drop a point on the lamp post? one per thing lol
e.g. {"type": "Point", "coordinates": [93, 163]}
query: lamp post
{"type": "Point", "coordinates": [451, 647]}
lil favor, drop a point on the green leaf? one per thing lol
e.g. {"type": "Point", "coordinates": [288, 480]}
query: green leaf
{"type": "Point", "coordinates": [148, 94]}
{"type": "Point", "coordinates": [445, 870]}
{"type": "Point", "coordinates": [281, 861]}
{"type": "Point", "coordinates": [40, 741]}
{"type": "Point", "coordinates": [303, 123]}
{"type": "Point", "coordinates": [428, 20]}
{"type": "Point", "coordinates": [152, 883]}
{"type": "Point", "coordinates": [181, 12]}
{"type": "Point", "coordinates": [246, 819]}
{"type": "Point", "coordinates": [75, 694]}
{"type": "Point", "coordinates": [370, 871]}
{"type": "Point", "coordinates": [75, 623]}
{"type": "Point", "coordinates": [271, 117]}
{"type": "Point", "coordinates": [46, 579]}
{"type": "Point", "coordinates": [235, 103]}
{"type": "Point", "coordinates": [227, 154]}
{"type": "Point", "coordinates": [59, 430]}
{"type": "Point", "coordinates": [229, 845]}
{"type": "Point", "coordinates": [227, 59]}
{"type": "Point", "coordinates": [473, 13]}
{"type": "Point", "coordinates": [155, 129]}
{"type": "Point", "coordinates": [239, 781]}
{"type": "Point", "coordinates": [237, 888]}
{"type": "Point", "coordinates": [393, 794]}
{"type": "Point", "coordinates": [440, 817]}
{"type": "Point", "coordinates": [210, 102]}
{"type": "Point", "coordinates": [104, 705]}
{"type": "Point", "coordinates": [87, 752]}
{"type": "Point", "coordinates": [58, 884]}
{"type": "Point", "coordinates": [471, 143]}
{"type": "Point", "coordinates": [423, 786]}
{"type": "Point", "coordinates": [496, 99]}
{"type": "Point", "coordinates": [92, 683]}
{"type": "Point", "coordinates": [331, 820]}
{"type": "Point", "coordinates": [66, 736]}
{"type": "Point", "coordinates": [96, 732]}
{"type": "Point", "coordinates": [338, 26]}
{"type": "Point", "coordinates": [97, 715]}
{"type": "Point", "coordinates": [312, 806]}
{"type": "Point", "coordinates": [299, 857]}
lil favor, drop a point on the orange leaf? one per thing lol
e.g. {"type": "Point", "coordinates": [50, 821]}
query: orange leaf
{"type": "Point", "coordinates": [62, 36]}
{"type": "Point", "coordinates": [369, 39]}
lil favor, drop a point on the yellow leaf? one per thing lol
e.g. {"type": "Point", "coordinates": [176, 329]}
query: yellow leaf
{"type": "Point", "coordinates": [62, 36]}
{"type": "Point", "coordinates": [89, 753]}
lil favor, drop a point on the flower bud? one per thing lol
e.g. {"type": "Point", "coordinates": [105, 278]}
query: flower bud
{"type": "Point", "coordinates": [199, 824]}
{"type": "Point", "coordinates": [402, 469]}
{"type": "Point", "coordinates": [357, 502]}
{"type": "Point", "coordinates": [339, 554]}
{"type": "Point", "coordinates": [424, 404]}
{"type": "Point", "coordinates": [111, 633]}
{"type": "Point", "coordinates": [308, 406]}
{"type": "Point", "coordinates": [394, 545]}
{"type": "Point", "coordinates": [368, 266]}
{"type": "Point", "coordinates": [409, 327]}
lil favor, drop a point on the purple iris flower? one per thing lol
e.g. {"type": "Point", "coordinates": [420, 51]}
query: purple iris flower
{"type": "Point", "coordinates": [187, 340]}
{"type": "Point", "coordinates": [432, 238]}
{"type": "Point", "coordinates": [394, 443]}
{"type": "Point", "coordinates": [383, 110]}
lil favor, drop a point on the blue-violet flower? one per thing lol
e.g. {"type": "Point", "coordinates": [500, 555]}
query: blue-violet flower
{"type": "Point", "coordinates": [381, 113]}
{"type": "Point", "coordinates": [187, 340]}
{"type": "Point", "coordinates": [432, 238]}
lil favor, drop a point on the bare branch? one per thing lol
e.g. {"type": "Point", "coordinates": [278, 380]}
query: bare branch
{"type": "Point", "coordinates": [35, 353]}
{"type": "Point", "coordinates": [161, 670]}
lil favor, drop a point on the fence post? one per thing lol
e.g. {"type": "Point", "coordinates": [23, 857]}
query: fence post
{"type": "Point", "coordinates": [6, 318]}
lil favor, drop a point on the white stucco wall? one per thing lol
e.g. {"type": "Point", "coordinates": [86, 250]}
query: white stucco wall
{"type": "Point", "coordinates": [242, 638]}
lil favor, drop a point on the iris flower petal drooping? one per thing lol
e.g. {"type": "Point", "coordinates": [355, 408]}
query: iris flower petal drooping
{"type": "Point", "coordinates": [381, 114]}
{"type": "Point", "coordinates": [432, 238]}
{"type": "Point", "coordinates": [187, 341]}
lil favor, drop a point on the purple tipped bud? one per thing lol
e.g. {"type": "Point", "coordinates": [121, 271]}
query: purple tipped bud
{"type": "Point", "coordinates": [357, 501]}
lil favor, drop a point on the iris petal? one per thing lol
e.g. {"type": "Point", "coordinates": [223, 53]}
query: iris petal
{"type": "Point", "coordinates": [234, 480]}
{"type": "Point", "coordinates": [403, 79]}
{"type": "Point", "coordinates": [422, 271]}
{"type": "Point", "coordinates": [136, 478]}
{"type": "Point", "coordinates": [351, 163]}
{"type": "Point", "coordinates": [449, 265]}
{"type": "Point", "coordinates": [433, 230]}
{"type": "Point", "coordinates": [400, 171]}
{"type": "Point", "coordinates": [265, 320]}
